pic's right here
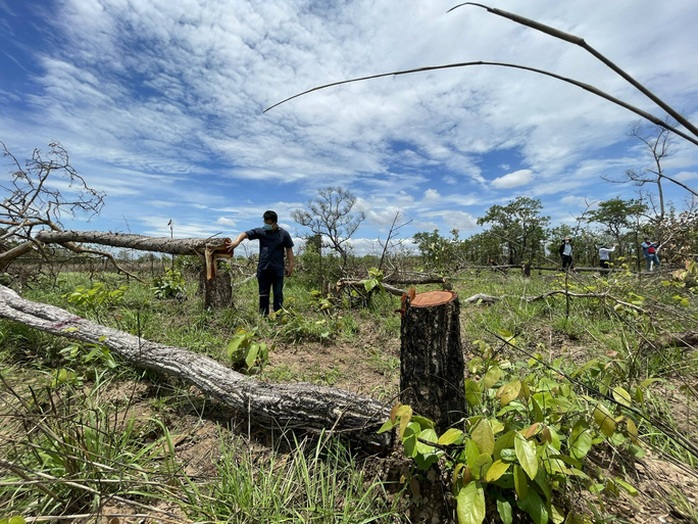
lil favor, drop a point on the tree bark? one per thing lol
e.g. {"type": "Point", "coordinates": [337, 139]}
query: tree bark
{"type": "Point", "coordinates": [299, 406]}
{"type": "Point", "coordinates": [431, 358]}
{"type": "Point", "coordinates": [174, 246]}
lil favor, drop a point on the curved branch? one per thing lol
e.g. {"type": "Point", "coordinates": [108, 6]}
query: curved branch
{"type": "Point", "coordinates": [591, 89]}
{"type": "Point", "coordinates": [556, 33]}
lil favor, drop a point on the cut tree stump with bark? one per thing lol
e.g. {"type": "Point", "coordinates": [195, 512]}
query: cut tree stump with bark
{"type": "Point", "coordinates": [298, 406]}
{"type": "Point", "coordinates": [431, 358]}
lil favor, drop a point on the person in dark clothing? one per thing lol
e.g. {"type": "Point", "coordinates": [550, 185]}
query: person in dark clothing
{"type": "Point", "coordinates": [274, 243]}
{"type": "Point", "coordinates": [566, 254]}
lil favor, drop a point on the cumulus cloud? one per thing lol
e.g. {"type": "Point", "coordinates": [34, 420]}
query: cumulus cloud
{"type": "Point", "coordinates": [518, 178]}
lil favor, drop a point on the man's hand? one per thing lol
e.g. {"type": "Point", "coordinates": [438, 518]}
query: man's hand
{"type": "Point", "coordinates": [289, 271]}
{"type": "Point", "coordinates": [230, 245]}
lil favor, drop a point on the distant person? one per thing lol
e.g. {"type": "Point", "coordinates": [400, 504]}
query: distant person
{"type": "Point", "coordinates": [649, 250]}
{"type": "Point", "coordinates": [274, 242]}
{"type": "Point", "coordinates": [566, 253]}
{"type": "Point", "coordinates": [605, 256]}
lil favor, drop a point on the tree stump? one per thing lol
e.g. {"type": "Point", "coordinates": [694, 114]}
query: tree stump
{"type": "Point", "coordinates": [431, 358]}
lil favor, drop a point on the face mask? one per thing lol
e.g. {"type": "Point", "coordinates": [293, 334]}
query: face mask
{"type": "Point", "coordinates": [268, 227]}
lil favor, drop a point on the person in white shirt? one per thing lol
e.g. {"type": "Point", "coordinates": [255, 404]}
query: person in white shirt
{"type": "Point", "coordinates": [566, 253]}
{"type": "Point", "coordinates": [605, 256]}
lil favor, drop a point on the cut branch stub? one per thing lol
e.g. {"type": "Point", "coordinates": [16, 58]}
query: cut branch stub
{"type": "Point", "coordinates": [431, 358]}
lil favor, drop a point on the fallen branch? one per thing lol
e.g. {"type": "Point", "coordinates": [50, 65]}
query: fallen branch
{"type": "Point", "coordinates": [298, 406]}
{"type": "Point", "coordinates": [603, 296]}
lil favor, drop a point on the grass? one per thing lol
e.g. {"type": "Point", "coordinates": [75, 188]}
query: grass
{"type": "Point", "coordinates": [66, 439]}
{"type": "Point", "coordinates": [316, 482]}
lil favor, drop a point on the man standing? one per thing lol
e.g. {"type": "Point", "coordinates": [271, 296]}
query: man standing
{"type": "Point", "coordinates": [566, 253]}
{"type": "Point", "coordinates": [649, 250]}
{"type": "Point", "coordinates": [605, 256]}
{"type": "Point", "coordinates": [274, 242]}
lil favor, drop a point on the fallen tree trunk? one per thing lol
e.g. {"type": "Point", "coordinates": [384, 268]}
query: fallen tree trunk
{"type": "Point", "coordinates": [298, 406]}
{"type": "Point", "coordinates": [173, 246]}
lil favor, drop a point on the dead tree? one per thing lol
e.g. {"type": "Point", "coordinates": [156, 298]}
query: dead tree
{"type": "Point", "coordinates": [302, 407]}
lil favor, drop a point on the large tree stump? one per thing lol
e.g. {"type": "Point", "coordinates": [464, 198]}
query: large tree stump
{"type": "Point", "coordinates": [431, 358]}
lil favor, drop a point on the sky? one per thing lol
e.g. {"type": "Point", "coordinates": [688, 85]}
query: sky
{"type": "Point", "coordinates": [160, 104]}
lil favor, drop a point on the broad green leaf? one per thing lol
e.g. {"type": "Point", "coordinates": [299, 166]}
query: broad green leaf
{"type": "Point", "coordinates": [491, 377]}
{"type": "Point", "coordinates": [471, 452]}
{"type": "Point", "coordinates": [473, 393]}
{"type": "Point", "coordinates": [526, 453]}
{"type": "Point", "coordinates": [496, 470]}
{"type": "Point", "coordinates": [430, 436]}
{"type": "Point", "coordinates": [483, 436]}
{"type": "Point", "coordinates": [580, 440]}
{"type": "Point", "coordinates": [632, 429]}
{"type": "Point", "coordinates": [423, 422]}
{"type": "Point", "coordinates": [470, 504]}
{"type": "Point", "coordinates": [409, 440]}
{"type": "Point", "coordinates": [508, 392]}
{"type": "Point", "coordinates": [535, 507]}
{"type": "Point", "coordinates": [252, 355]}
{"type": "Point", "coordinates": [503, 442]}
{"type": "Point", "coordinates": [505, 511]}
{"type": "Point", "coordinates": [605, 420]}
{"type": "Point", "coordinates": [538, 415]}
{"type": "Point", "coordinates": [233, 345]}
{"type": "Point", "coordinates": [497, 426]}
{"type": "Point", "coordinates": [520, 482]}
{"type": "Point", "coordinates": [452, 436]}
{"type": "Point", "coordinates": [480, 465]}
{"type": "Point", "coordinates": [621, 396]}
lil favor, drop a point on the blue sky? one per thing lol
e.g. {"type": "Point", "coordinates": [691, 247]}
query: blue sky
{"type": "Point", "coordinates": [160, 105]}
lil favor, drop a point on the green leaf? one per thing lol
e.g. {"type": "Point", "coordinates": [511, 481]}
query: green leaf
{"type": "Point", "coordinates": [471, 453]}
{"type": "Point", "coordinates": [387, 426]}
{"type": "Point", "coordinates": [452, 436]}
{"type": "Point", "coordinates": [526, 453]}
{"type": "Point", "coordinates": [430, 436]}
{"type": "Point", "coordinates": [470, 504]}
{"type": "Point", "coordinates": [632, 490]}
{"type": "Point", "coordinates": [480, 465]}
{"type": "Point", "coordinates": [621, 396]}
{"type": "Point", "coordinates": [505, 511]}
{"type": "Point", "coordinates": [409, 439]}
{"type": "Point", "coordinates": [496, 470]}
{"type": "Point", "coordinates": [423, 422]}
{"type": "Point", "coordinates": [233, 345]}
{"type": "Point", "coordinates": [491, 377]}
{"type": "Point", "coordinates": [473, 393]}
{"type": "Point", "coordinates": [520, 482]}
{"type": "Point", "coordinates": [483, 436]}
{"type": "Point", "coordinates": [252, 355]}
{"type": "Point", "coordinates": [605, 420]}
{"type": "Point", "coordinates": [508, 392]}
{"type": "Point", "coordinates": [580, 440]}
{"type": "Point", "coordinates": [534, 505]}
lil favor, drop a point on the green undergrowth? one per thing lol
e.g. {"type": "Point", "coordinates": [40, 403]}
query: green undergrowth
{"type": "Point", "coordinates": [569, 378]}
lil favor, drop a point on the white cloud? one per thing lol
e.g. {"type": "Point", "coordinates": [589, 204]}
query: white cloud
{"type": "Point", "coordinates": [518, 178]}
{"type": "Point", "coordinates": [161, 102]}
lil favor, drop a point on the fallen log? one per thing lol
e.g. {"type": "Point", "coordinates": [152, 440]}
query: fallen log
{"type": "Point", "coordinates": [299, 406]}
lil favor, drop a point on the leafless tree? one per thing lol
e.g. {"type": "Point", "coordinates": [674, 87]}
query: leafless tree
{"type": "Point", "coordinates": [40, 193]}
{"type": "Point", "coordinates": [331, 216]}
